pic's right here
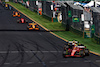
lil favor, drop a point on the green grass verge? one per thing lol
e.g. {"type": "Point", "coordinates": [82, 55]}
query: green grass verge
{"type": "Point", "coordinates": [86, 41]}
{"type": "Point", "coordinates": [57, 26]}
{"type": "Point", "coordinates": [46, 23]}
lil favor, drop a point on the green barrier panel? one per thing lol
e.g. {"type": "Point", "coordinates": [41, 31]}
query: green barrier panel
{"type": "Point", "coordinates": [85, 35]}
{"type": "Point", "coordinates": [25, 0]}
{"type": "Point", "coordinates": [76, 31]}
{"type": "Point", "coordinates": [92, 31]}
{"type": "Point", "coordinates": [55, 20]}
{"type": "Point", "coordinates": [69, 14]}
{"type": "Point", "coordinates": [96, 39]}
{"type": "Point", "coordinates": [64, 25]}
{"type": "Point", "coordinates": [46, 17]}
{"type": "Point", "coordinates": [92, 35]}
{"type": "Point", "coordinates": [22, 4]}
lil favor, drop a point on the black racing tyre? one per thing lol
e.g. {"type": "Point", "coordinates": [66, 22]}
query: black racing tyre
{"type": "Point", "coordinates": [39, 29]}
{"type": "Point", "coordinates": [3, 5]}
{"type": "Point", "coordinates": [10, 8]}
{"type": "Point", "coordinates": [65, 53]}
{"type": "Point", "coordinates": [87, 52]}
{"type": "Point", "coordinates": [26, 21]}
{"type": "Point", "coordinates": [12, 15]}
{"type": "Point", "coordinates": [82, 45]}
{"type": "Point", "coordinates": [66, 47]}
{"type": "Point", "coordinates": [27, 28]}
{"type": "Point", "coordinates": [18, 21]}
{"type": "Point", "coordinates": [82, 53]}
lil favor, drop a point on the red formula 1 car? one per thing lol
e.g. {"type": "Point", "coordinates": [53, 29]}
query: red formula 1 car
{"type": "Point", "coordinates": [74, 49]}
{"type": "Point", "coordinates": [22, 20]}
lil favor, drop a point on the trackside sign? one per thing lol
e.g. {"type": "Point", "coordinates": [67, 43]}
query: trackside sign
{"type": "Point", "coordinates": [75, 19]}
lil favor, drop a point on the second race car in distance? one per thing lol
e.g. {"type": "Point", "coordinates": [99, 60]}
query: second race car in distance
{"type": "Point", "coordinates": [10, 8]}
{"type": "Point", "coordinates": [16, 14]}
{"type": "Point", "coordinates": [6, 6]}
{"type": "Point", "coordinates": [3, 4]}
{"type": "Point", "coordinates": [75, 49]}
{"type": "Point", "coordinates": [32, 26]}
{"type": "Point", "coordinates": [22, 20]}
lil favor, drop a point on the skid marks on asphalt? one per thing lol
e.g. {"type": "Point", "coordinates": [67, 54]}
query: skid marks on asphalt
{"type": "Point", "coordinates": [53, 62]}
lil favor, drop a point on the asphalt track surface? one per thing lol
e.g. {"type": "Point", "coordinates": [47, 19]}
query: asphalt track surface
{"type": "Point", "coordinates": [22, 48]}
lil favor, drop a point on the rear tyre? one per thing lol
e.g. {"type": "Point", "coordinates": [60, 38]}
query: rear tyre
{"type": "Point", "coordinates": [87, 52]}
{"type": "Point", "coordinates": [18, 21]}
{"type": "Point", "coordinates": [27, 28]}
{"type": "Point", "coordinates": [82, 53]}
{"type": "Point", "coordinates": [64, 54]}
{"type": "Point", "coordinates": [26, 21]}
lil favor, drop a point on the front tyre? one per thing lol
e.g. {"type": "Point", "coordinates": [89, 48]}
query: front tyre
{"type": "Point", "coordinates": [66, 47]}
{"type": "Point", "coordinates": [65, 53]}
{"type": "Point", "coordinates": [18, 21]}
{"type": "Point", "coordinates": [26, 21]}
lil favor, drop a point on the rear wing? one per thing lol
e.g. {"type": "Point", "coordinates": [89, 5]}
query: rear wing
{"type": "Point", "coordinates": [80, 46]}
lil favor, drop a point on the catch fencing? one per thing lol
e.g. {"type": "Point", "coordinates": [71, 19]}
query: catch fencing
{"type": "Point", "coordinates": [96, 22]}
{"type": "Point", "coordinates": [46, 8]}
{"type": "Point", "coordinates": [71, 15]}
{"type": "Point", "coordinates": [33, 6]}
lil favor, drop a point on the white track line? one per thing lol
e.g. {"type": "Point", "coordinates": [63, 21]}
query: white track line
{"type": "Point", "coordinates": [52, 62]}
{"type": "Point", "coordinates": [87, 61]}
{"type": "Point", "coordinates": [98, 61]}
{"type": "Point", "coordinates": [75, 61]}
{"type": "Point", "coordinates": [29, 62]}
{"type": "Point", "coordinates": [6, 63]}
{"type": "Point", "coordinates": [30, 51]}
{"type": "Point", "coordinates": [63, 61]}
